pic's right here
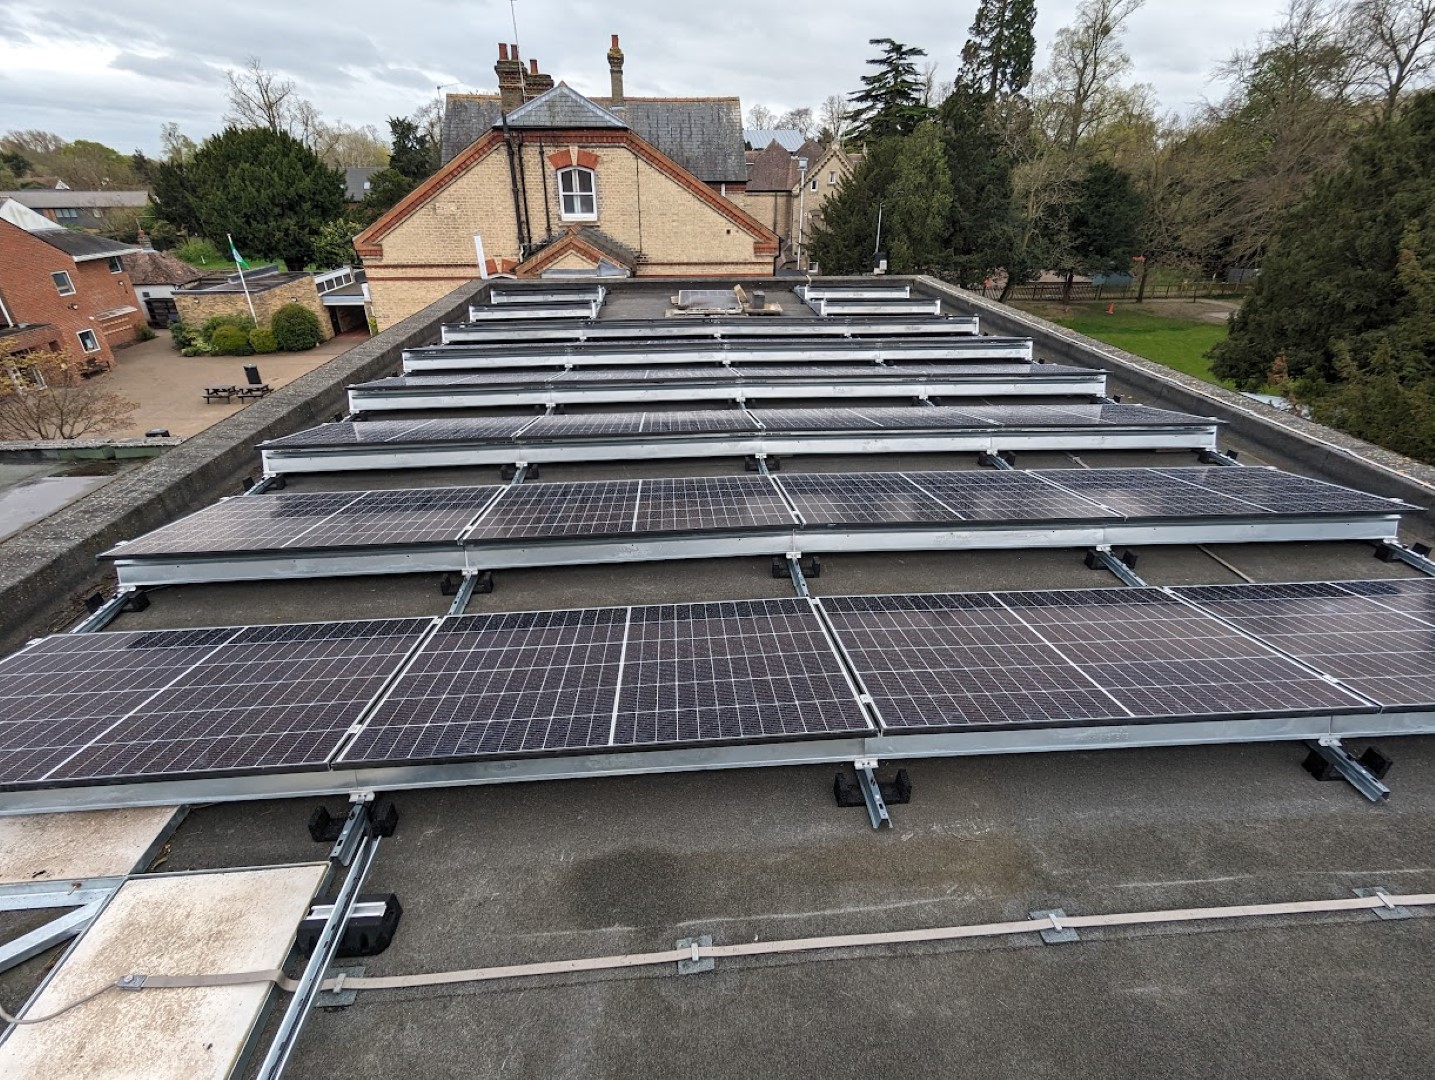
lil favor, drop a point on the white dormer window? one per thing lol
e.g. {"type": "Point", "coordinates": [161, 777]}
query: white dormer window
{"type": "Point", "coordinates": [578, 194]}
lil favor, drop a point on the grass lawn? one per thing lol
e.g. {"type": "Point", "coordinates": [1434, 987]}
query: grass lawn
{"type": "Point", "coordinates": [1179, 343]}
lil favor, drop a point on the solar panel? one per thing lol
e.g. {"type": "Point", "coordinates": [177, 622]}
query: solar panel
{"type": "Point", "coordinates": [707, 503]}
{"type": "Point", "coordinates": [617, 425]}
{"type": "Point", "coordinates": [243, 524]}
{"type": "Point", "coordinates": [464, 429]}
{"type": "Point", "coordinates": [1284, 493]}
{"type": "Point", "coordinates": [813, 420]}
{"type": "Point", "coordinates": [935, 662]}
{"type": "Point", "coordinates": [137, 704]}
{"type": "Point", "coordinates": [602, 508]}
{"type": "Point", "coordinates": [59, 693]}
{"type": "Point", "coordinates": [422, 516]}
{"type": "Point", "coordinates": [271, 698]}
{"type": "Point", "coordinates": [760, 669]}
{"type": "Point", "coordinates": [1384, 654]}
{"type": "Point", "coordinates": [863, 499]}
{"type": "Point", "coordinates": [374, 432]}
{"type": "Point", "coordinates": [1146, 493]}
{"type": "Point", "coordinates": [502, 684]}
{"type": "Point", "coordinates": [1412, 596]}
{"type": "Point", "coordinates": [1006, 496]}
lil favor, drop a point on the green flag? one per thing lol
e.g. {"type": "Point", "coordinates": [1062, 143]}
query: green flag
{"type": "Point", "coordinates": [238, 258]}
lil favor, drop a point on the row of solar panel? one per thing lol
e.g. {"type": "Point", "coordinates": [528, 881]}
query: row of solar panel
{"type": "Point", "coordinates": [494, 429]}
{"type": "Point", "coordinates": [130, 706]}
{"type": "Point", "coordinates": [715, 328]}
{"type": "Point", "coordinates": [745, 504]}
{"type": "Point", "coordinates": [737, 373]}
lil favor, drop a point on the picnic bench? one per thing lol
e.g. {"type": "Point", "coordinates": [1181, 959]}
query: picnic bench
{"type": "Point", "coordinates": [227, 394]}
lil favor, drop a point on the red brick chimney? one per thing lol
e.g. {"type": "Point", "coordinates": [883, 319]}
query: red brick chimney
{"type": "Point", "coordinates": [615, 73]}
{"type": "Point", "coordinates": [509, 70]}
{"type": "Point", "coordinates": [537, 82]}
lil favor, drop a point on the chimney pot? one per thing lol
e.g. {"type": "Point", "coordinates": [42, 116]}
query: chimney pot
{"type": "Point", "coordinates": [615, 41]}
{"type": "Point", "coordinates": [513, 51]}
{"type": "Point", "coordinates": [502, 51]}
{"type": "Point", "coordinates": [615, 74]}
{"type": "Point", "coordinates": [532, 66]}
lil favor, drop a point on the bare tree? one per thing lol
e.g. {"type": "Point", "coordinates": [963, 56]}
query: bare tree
{"type": "Point", "coordinates": [1087, 60]}
{"type": "Point", "coordinates": [260, 98]}
{"type": "Point", "coordinates": [760, 117]}
{"type": "Point", "coordinates": [799, 119]}
{"type": "Point", "coordinates": [833, 116]}
{"type": "Point", "coordinates": [179, 148]}
{"type": "Point", "coordinates": [43, 395]}
{"type": "Point", "coordinates": [1391, 41]}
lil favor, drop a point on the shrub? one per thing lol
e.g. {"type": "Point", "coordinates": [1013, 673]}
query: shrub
{"type": "Point", "coordinates": [261, 340]}
{"type": "Point", "coordinates": [144, 333]}
{"type": "Point", "coordinates": [194, 350]}
{"type": "Point", "coordinates": [296, 328]}
{"type": "Point", "coordinates": [182, 335]}
{"type": "Point", "coordinates": [199, 251]}
{"type": "Point", "coordinates": [242, 323]}
{"type": "Point", "coordinates": [229, 341]}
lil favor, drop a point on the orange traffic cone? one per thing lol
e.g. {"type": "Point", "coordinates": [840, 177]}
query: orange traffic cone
{"type": "Point", "coordinates": [1111, 309]}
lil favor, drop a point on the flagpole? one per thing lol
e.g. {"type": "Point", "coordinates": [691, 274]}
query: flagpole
{"type": "Point", "coordinates": [242, 283]}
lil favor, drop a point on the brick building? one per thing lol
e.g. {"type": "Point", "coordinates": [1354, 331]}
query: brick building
{"type": "Point", "coordinates": [269, 289]}
{"type": "Point", "coordinates": [540, 180]}
{"type": "Point", "coordinates": [63, 290]}
{"type": "Point", "coordinates": [89, 211]}
{"type": "Point", "coordinates": [787, 189]}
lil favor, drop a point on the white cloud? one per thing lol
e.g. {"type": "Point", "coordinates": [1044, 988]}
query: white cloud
{"type": "Point", "coordinates": [114, 73]}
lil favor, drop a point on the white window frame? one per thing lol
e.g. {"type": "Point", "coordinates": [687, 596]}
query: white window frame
{"type": "Point", "coordinates": [832, 179]}
{"type": "Point", "coordinates": [67, 213]}
{"type": "Point", "coordinates": [93, 337]}
{"type": "Point", "coordinates": [574, 171]}
{"type": "Point", "coordinates": [68, 288]}
{"type": "Point", "coordinates": [814, 183]}
{"type": "Point", "coordinates": [116, 264]}
{"type": "Point", "coordinates": [5, 319]}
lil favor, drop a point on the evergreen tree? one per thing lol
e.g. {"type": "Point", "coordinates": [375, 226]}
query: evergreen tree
{"type": "Point", "coordinates": [1103, 223]}
{"type": "Point", "coordinates": [983, 230]}
{"type": "Point", "coordinates": [415, 153]}
{"type": "Point", "coordinates": [1330, 278]}
{"type": "Point", "coordinates": [1001, 46]}
{"type": "Point", "coordinates": [890, 101]}
{"type": "Point", "coordinates": [266, 189]}
{"type": "Point", "coordinates": [919, 203]}
{"type": "Point", "coordinates": [845, 240]}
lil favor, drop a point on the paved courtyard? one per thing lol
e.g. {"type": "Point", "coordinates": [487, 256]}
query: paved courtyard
{"type": "Point", "coordinates": [170, 388]}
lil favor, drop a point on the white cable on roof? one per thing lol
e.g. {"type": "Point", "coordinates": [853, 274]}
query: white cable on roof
{"type": "Point", "coordinates": [752, 948]}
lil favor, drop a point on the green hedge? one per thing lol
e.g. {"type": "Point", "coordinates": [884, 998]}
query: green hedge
{"type": "Point", "coordinates": [229, 341]}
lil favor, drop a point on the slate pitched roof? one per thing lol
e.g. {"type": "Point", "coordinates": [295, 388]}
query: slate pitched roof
{"type": "Point", "coordinates": [562, 107]}
{"type": "Point", "coordinates": [774, 169]}
{"type": "Point", "coordinates": [159, 268]}
{"type": "Point", "coordinates": [83, 246]}
{"type": "Point", "coordinates": [703, 135]}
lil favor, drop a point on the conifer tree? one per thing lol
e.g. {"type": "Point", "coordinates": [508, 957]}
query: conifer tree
{"type": "Point", "coordinates": [890, 101]}
{"type": "Point", "coordinates": [1001, 46]}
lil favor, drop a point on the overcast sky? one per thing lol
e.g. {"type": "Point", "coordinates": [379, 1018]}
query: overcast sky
{"type": "Point", "coordinates": [114, 71]}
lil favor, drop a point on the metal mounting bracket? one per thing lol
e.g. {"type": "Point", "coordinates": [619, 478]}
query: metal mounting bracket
{"type": "Point", "coordinates": [872, 792]}
{"type": "Point", "coordinates": [339, 997]}
{"type": "Point", "coordinates": [696, 964]}
{"type": "Point", "coordinates": [1004, 461]}
{"type": "Point", "coordinates": [464, 593]}
{"type": "Point", "coordinates": [1417, 556]}
{"type": "Point", "coordinates": [1389, 910]}
{"type": "Point", "coordinates": [1216, 457]}
{"type": "Point", "coordinates": [1056, 934]}
{"type": "Point", "coordinates": [1123, 568]}
{"type": "Point", "coordinates": [1359, 777]}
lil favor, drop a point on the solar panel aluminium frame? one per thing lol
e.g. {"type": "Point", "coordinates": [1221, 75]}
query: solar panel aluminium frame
{"type": "Point", "coordinates": [367, 399]}
{"type": "Point", "coordinates": [854, 292]}
{"type": "Point", "coordinates": [712, 328]}
{"type": "Point", "coordinates": [523, 313]}
{"type": "Point", "coordinates": [948, 349]}
{"type": "Point", "coordinates": [830, 751]}
{"type": "Point", "coordinates": [1201, 434]}
{"type": "Point", "coordinates": [548, 294]}
{"type": "Point", "coordinates": [892, 307]}
{"type": "Point", "coordinates": [528, 553]}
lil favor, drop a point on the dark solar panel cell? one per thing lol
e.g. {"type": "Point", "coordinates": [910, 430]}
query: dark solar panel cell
{"type": "Point", "coordinates": [1147, 493]}
{"type": "Point", "coordinates": [1062, 658]}
{"type": "Point", "coordinates": [1377, 650]}
{"type": "Point", "coordinates": [731, 671]}
{"type": "Point", "coordinates": [1414, 596]}
{"type": "Point", "coordinates": [603, 508]}
{"type": "Point", "coordinates": [426, 515]}
{"type": "Point", "coordinates": [707, 503]}
{"type": "Point", "coordinates": [464, 429]}
{"type": "Point", "coordinates": [863, 499]}
{"type": "Point", "coordinates": [502, 684]}
{"type": "Point", "coordinates": [1006, 496]}
{"type": "Point", "coordinates": [814, 420]}
{"type": "Point", "coordinates": [255, 522]}
{"type": "Point", "coordinates": [270, 698]}
{"type": "Point", "coordinates": [1284, 493]}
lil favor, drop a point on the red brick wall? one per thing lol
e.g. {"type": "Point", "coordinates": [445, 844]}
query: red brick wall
{"type": "Point", "coordinates": [31, 297]}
